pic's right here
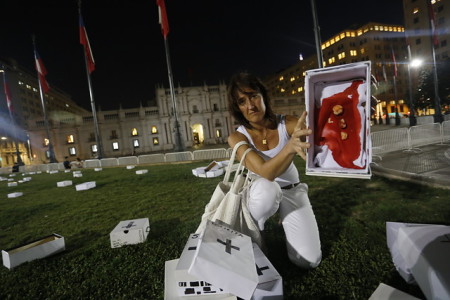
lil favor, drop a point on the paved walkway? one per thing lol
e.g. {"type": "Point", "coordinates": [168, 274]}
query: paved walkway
{"type": "Point", "coordinates": [428, 165]}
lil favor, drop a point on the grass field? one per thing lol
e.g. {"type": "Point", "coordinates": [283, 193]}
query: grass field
{"type": "Point", "coordinates": [351, 214]}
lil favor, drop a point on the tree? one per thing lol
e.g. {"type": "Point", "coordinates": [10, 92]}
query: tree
{"type": "Point", "coordinates": [425, 91]}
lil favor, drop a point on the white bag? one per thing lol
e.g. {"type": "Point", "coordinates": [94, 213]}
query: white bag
{"type": "Point", "coordinates": [228, 203]}
{"type": "Point", "coordinates": [225, 258]}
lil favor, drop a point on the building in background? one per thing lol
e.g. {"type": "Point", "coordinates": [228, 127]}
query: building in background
{"type": "Point", "coordinates": [26, 105]}
{"type": "Point", "coordinates": [379, 43]}
{"type": "Point", "coordinates": [420, 37]}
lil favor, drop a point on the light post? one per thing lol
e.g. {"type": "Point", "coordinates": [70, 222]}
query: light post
{"type": "Point", "coordinates": [411, 64]}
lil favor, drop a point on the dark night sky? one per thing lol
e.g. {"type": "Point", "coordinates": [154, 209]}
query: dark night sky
{"type": "Point", "coordinates": [209, 40]}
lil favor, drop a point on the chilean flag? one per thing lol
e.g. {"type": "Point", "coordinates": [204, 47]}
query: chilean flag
{"type": "Point", "coordinates": [87, 46]}
{"type": "Point", "coordinates": [163, 17]}
{"type": "Point", "coordinates": [41, 72]}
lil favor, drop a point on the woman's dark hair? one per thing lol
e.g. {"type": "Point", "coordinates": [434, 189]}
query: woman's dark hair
{"type": "Point", "coordinates": [238, 83]}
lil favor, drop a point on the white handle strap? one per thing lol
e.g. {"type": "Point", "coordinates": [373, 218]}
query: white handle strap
{"type": "Point", "coordinates": [226, 178]}
{"type": "Point", "coordinates": [239, 171]}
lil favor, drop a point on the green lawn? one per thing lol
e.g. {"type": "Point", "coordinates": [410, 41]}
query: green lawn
{"type": "Point", "coordinates": [351, 214]}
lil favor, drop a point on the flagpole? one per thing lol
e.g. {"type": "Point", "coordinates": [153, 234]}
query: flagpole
{"type": "Point", "coordinates": [51, 152]}
{"type": "Point", "coordinates": [412, 117]}
{"type": "Point", "coordinates": [179, 146]}
{"type": "Point", "coordinates": [98, 140]}
{"type": "Point", "coordinates": [317, 35]}
{"type": "Point", "coordinates": [13, 123]}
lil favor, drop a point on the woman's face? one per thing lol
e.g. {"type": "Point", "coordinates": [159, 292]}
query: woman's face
{"type": "Point", "coordinates": [251, 104]}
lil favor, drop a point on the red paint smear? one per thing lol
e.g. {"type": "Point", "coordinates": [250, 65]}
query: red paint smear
{"type": "Point", "coordinates": [344, 151]}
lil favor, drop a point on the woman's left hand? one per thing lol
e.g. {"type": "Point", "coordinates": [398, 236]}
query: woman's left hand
{"type": "Point", "coordinates": [298, 137]}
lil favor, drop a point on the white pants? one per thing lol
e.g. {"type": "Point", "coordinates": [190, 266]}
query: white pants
{"type": "Point", "coordinates": [297, 217]}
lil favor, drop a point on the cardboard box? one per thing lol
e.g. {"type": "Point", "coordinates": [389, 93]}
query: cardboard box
{"type": "Point", "coordinates": [172, 277]}
{"type": "Point", "coordinates": [338, 105]}
{"type": "Point", "coordinates": [27, 179]}
{"type": "Point", "coordinates": [130, 232]}
{"type": "Point", "coordinates": [139, 172]}
{"type": "Point", "coordinates": [64, 183]}
{"type": "Point", "coordinates": [224, 257]}
{"type": "Point", "coordinates": [85, 186]}
{"type": "Point", "coordinates": [130, 167]}
{"type": "Point", "coordinates": [40, 248]}
{"type": "Point", "coordinates": [11, 184]}
{"type": "Point", "coordinates": [98, 169]}
{"type": "Point", "coordinates": [386, 292]}
{"type": "Point", "coordinates": [66, 171]}
{"type": "Point", "coordinates": [15, 195]}
{"type": "Point", "coordinates": [270, 283]}
{"type": "Point", "coordinates": [77, 174]}
{"type": "Point", "coordinates": [53, 172]}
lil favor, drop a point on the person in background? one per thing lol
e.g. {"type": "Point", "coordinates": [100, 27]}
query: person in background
{"type": "Point", "coordinates": [78, 163]}
{"type": "Point", "coordinates": [66, 163]}
{"type": "Point", "coordinates": [275, 183]}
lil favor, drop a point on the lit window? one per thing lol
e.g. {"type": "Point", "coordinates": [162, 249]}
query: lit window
{"type": "Point", "coordinates": [281, 78]}
{"type": "Point", "coordinates": [136, 143]}
{"type": "Point", "coordinates": [353, 53]}
{"type": "Point", "coordinates": [300, 89]}
{"type": "Point", "coordinates": [155, 141]}
{"type": "Point", "coordinates": [218, 133]}
{"type": "Point", "coordinates": [282, 90]}
{"type": "Point", "coordinates": [115, 146]}
{"type": "Point", "coordinates": [46, 142]}
{"type": "Point", "coordinates": [21, 82]}
{"type": "Point", "coordinates": [341, 55]}
{"type": "Point", "coordinates": [72, 151]}
{"type": "Point", "coordinates": [94, 148]}
{"type": "Point", "coordinates": [362, 50]}
{"type": "Point", "coordinates": [415, 10]}
{"type": "Point", "coordinates": [134, 132]}
{"type": "Point", "coordinates": [70, 139]}
{"type": "Point", "coordinates": [28, 86]}
{"type": "Point", "coordinates": [292, 78]}
{"type": "Point", "coordinates": [154, 129]}
{"type": "Point", "coordinates": [342, 35]}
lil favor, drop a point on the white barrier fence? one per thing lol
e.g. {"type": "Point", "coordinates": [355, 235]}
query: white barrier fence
{"type": "Point", "coordinates": [385, 141]}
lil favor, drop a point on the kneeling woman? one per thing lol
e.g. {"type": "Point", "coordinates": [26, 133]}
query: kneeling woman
{"type": "Point", "coordinates": [275, 140]}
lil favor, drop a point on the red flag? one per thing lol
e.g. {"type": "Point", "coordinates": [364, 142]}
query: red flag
{"type": "Point", "coordinates": [394, 62]}
{"type": "Point", "coordinates": [432, 23]}
{"type": "Point", "coordinates": [87, 46]}
{"type": "Point", "coordinates": [7, 94]}
{"type": "Point", "coordinates": [163, 17]}
{"type": "Point", "coordinates": [41, 72]}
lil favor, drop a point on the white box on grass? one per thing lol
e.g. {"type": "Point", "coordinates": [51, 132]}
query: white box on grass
{"type": "Point", "coordinates": [270, 283]}
{"type": "Point", "coordinates": [386, 292]}
{"type": "Point", "coordinates": [420, 253]}
{"type": "Point", "coordinates": [130, 232]}
{"type": "Point", "coordinates": [11, 184]}
{"type": "Point", "coordinates": [172, 277]}
{"type": "Point", "coordinates": [12, 175]}
{"type": "Point", "coordinates": [97, 169]}
{"type": "Point", "coordinates": [27, 179]}
{"type": "Point", "coordinates": [130, 167]}
{"type": "Point", "coordinates": [53, 172]}
{"type": "Point", "coordinates": [64, 183]}
{"type": "Point", "coordinates": [15, 195]}
{"type": "Point", "coordinates": [21, 181]}
{"type": "Point", "coordinates": [139, 172]}
{"type": "Point", "coordinates": [66, 171]}
{"type": "Point", "coordinates": [225, 259]}
{"type": "Point", "coordinates": [40, 248]}
{"type": "Point", "coordinates": [85, 186]}
{"type": "Point", "coordinates": [338, 104]}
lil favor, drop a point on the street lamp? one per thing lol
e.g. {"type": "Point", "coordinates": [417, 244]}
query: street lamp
{"type": "Point", "coordinates": [413, 63]}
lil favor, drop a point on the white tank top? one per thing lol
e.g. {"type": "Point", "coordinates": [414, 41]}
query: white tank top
{"type": "Point", "coordinates": [290, 176]}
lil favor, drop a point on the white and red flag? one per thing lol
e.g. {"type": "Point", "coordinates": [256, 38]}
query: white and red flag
{"type": "Point", "coordinates": [394, 62]}
{"type": "Point", "coordinates": [434, 35]}
{"type": "Point", "coordinates": [84, 40]}
{"type": "Point", "coordinates": [40, 68]}
{"type": "Point", "coordinates": [163, 17]}
{"type": "Point", "coordinates": [8, 96]}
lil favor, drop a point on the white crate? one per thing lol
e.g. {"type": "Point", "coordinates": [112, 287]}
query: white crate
{"type": "Point", "coordinates": [26, 179]}
{"type": "Point", "coordinates": [85, 186]}
{"type": "Point", "coordinates": [98, 169]}
{"type": "Point", "coordinates": [130, 167]}
{"type": "Point", "coordinates": [15, 195]}
{"type": "Point", "coordinates": [11, 184]}
{"type": "Point", "coordinates": [77, 175]}
{"type": "Point", "coordinates": [130, 232]}
{"type": "Point", "coordinates": [338, 105]}
{"type": "Point", "coordinates": [37, 249]}
{"type": "Point", "coordinates": [386, 292]}
{"type": "Point", "coordinates": [139, 172]}
{"type": "Point", "coordinates": [64, 183]}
